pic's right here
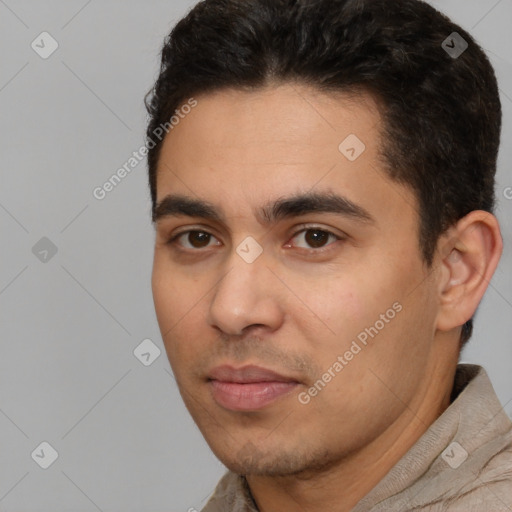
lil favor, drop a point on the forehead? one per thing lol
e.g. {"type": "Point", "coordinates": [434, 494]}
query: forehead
{"type": "Point", "coordinates": [286, 114]}
{"type": "Point", "coordinates": [280, 126]}
{"type": "Point", "coordinates": [263, 144]}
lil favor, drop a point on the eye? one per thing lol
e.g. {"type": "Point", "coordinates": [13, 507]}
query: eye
{"type": "Point", "coordinates": [196, 239]}
{"type": "Point", "coordinates": [315, 237]}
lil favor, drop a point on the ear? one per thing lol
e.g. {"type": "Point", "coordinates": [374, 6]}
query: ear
{"type": "Point", "coordinates": [469, 254]}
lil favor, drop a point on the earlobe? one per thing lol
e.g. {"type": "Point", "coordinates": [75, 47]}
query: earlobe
{"type": "Point", "coordinates": [471, 256]}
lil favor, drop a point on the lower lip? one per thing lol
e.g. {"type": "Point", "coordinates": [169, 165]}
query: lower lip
{"type": "Point", "coordinates": [248, 397]}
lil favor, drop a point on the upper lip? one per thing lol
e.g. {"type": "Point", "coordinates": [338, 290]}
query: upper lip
{"type": "Point", "coordinates": [247, 374]}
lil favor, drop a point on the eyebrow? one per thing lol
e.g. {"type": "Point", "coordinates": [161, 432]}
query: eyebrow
{"type": "Point", "coordinates": [175, 205]}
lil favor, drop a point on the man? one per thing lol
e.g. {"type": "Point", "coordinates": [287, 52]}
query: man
{"type": "Point", "coordinates": [324, 234]}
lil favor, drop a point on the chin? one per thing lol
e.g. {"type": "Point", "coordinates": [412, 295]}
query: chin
{"type": "Point", "coordinates": [251, 460]}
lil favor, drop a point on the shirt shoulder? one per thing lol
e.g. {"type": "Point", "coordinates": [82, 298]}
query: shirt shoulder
{"type": "Point", "coordinates": [463, 462]}
{"type": "Point", "coordinates": [491, 487]}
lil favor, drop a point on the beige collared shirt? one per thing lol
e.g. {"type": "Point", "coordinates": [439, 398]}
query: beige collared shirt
{"type": "Point", "coordinates": [462, 463]}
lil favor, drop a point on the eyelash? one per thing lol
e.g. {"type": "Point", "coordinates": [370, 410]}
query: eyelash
{"type": "Point", "coordinates": [174, 238]}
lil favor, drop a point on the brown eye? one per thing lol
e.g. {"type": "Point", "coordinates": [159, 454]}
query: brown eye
{"type": "Point", "coordinates": [195, 239]}
{"type": "Point", "coordinates": [198, 238]}
{"type": "Point", "coordinates": [315, 238]}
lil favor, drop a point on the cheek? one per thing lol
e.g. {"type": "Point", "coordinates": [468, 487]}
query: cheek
{"type": "Point", "coordinates": [362, 312]}
{"type": "Point", "coordinates": [181, 305]}
{"type": "Point", "coordinates": [174, 293]}
{"type": "Point", "coordinates": [161, 285]}
{"type": "Point", "coordinates": [170, 306]}
{"type": "Point", "coordinates": [340, 303]}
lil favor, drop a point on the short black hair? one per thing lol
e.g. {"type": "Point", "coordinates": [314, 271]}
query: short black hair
{"type": "Point", "coordinates": [441, 111]}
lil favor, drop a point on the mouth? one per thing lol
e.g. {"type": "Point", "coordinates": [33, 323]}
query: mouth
{"type": "Point", "coordinates": [249, 388]}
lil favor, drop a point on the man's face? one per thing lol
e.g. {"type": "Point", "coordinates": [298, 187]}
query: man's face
{"type": "Point", "coordinates": [345, 286]}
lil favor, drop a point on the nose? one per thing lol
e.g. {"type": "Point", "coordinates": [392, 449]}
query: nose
{"type": "Point", "coordinates": [247, 295]}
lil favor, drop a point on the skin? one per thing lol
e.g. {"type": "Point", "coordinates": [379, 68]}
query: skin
{"type": "Point", "coordinates": [299, 306]}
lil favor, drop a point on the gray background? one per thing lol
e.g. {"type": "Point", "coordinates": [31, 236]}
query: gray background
{"type": "Point", "coordinates": [69, 326]}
